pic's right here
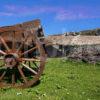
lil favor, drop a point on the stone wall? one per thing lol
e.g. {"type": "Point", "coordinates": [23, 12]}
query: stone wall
{"type": "Point", "coordinates": [86, 53]}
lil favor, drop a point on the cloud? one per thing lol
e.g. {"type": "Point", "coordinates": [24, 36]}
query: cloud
{"type": "Point", "coordinates": [6, 14]}
{"type": "Point", "coordinates": [78, 13]}
{"type": "Point", "coordinates": [27, 11]}
{"type": "Point", "coordinates": [60, 13]}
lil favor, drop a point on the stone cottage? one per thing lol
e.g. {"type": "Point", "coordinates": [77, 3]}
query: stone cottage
{"type": "Point", "coordinates": [84, 47]}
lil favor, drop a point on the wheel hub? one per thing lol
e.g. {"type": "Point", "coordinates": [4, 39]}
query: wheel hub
{"type": "Point", "coordinates": [11, 60]}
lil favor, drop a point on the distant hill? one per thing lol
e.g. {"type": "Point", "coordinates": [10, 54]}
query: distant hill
{"type": "Point", "coordinates": [90, 32]}
{"type": "Point", "coordinates": [94, 32]}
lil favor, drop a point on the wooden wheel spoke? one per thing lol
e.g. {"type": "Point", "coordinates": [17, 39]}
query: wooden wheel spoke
{"type": "Point", "coordinates": [30, 50]}
{"type": "Point", "coordinates": [21, 45]}
{"type": "Point", "coordinates": [13, 78]}
{"type": "Point", "coordinates": [4, 43]}
{"type": "Point", "coordinates": [2, 76]}
{"type": "Point", "coordinates": [13, 43]}
{"type": "Point", "coordinates": [30, 69]}
{"type": "Point", "coordinates": [22, 74]}
{"type": "Point", "coordinates": [31, 59]}
{"type": "Point", "coordinates": [2, 52]}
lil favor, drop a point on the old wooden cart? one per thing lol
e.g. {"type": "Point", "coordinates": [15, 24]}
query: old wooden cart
{"type": "Point", "coordinates": [22, 56]}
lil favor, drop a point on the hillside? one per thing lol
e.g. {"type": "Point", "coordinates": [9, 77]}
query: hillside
{"type": "Point", "coordinates": [93, 32]}
{"type": "Point", "coordinates": [62, 80]}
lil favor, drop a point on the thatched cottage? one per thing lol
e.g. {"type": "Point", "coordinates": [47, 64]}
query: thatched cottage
{"type": "Point", "coordinates": [82, 47]}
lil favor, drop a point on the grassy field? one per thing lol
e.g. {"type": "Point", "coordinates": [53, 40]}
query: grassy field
{"type": "Point", "coordinates": [62, 80]}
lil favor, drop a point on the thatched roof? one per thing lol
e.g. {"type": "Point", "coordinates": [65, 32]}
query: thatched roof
{"type": "Point", "coordinates": [74, 40]}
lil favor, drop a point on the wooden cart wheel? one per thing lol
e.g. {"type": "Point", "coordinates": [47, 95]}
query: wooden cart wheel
{"type": "Point", "coordinates": [21, 62]}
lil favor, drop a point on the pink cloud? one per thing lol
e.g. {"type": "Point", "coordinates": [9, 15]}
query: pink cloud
{"type": "Point", "coordinates": [78, 12]}
{"type": "Point", "coordinates": [6, 14]}
{"type": "Point", "coordinates": [60, 13]}
{"type": "Point", "coordinates": [26, 11]}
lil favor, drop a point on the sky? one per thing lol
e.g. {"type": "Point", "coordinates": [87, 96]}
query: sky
{"type": "Point", "coordinates": [57, 16]}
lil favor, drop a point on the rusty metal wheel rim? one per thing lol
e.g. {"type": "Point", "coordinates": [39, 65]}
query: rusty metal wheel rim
{"type": "Point", "coordinates": [14, 57]}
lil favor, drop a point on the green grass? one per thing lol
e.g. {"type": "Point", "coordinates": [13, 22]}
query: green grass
{"type": "Point", "coordinates": [62, 80]}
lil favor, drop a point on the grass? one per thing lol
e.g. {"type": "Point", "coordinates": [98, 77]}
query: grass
{"type": "Point", "coordinates": [62, 80]}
